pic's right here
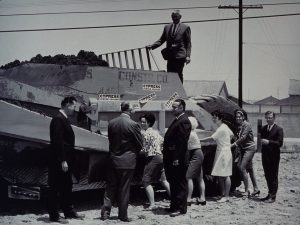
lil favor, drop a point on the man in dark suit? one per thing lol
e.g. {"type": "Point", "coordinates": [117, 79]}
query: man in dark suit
{"type": "Point", "coordinates": [175, 158]}
{"type": "Point", "coordinates": [272, 140]}
{"type": "Point", "coordinates": [61, 163]}
{"type": "Point", "coordinates": [178, 38]}
{"type": "Point", "coordinates": [125, 142]}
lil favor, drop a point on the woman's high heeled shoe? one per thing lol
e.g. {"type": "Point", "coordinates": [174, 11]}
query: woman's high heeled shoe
{"type": "Point", "coordinates": [255, 193]}
{"type": "Point", "coordinates": [246, 194]}
{"type": "Point", "coordinates": [199, 202]}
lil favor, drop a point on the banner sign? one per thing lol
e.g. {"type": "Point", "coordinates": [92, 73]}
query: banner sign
{"type": "Point", "coordinates": [169, 103]}
{"type": "Point", "coordinates": [147, 98]}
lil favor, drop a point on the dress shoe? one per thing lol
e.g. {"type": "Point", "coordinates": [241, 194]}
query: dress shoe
{"type": "Point", "coordinates": [199, 202]}
{"type": "Point", "coordinates": [255, 193]}
{"type": "Point", "coordinates": [74, 215]}
{"type": "Point", "coordinates": [151, 207]}
{"type": "Point", "coordinates": [170, 210]}
{"type": "Point", "coordinates": [176, 213]}
{"type": "Point", "coordinates": [270, 200]}
{"type": "Point", "coordinates": [59, 220]}
{"type": "Point", "coordinates": [222, 200]}
{"type": "Point", "coordinates": [245, 194]}
{"type": "Point", "coordinates": [127, 220]}
{"type": "Point", "coordinates": [265, 198]}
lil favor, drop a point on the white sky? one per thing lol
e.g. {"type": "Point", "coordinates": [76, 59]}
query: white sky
{"type": "Point", "coordinates": [271, 49]}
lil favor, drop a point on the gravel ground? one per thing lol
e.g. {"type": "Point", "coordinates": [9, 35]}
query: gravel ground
{"type": "Point", "coordinates": [286, 209]}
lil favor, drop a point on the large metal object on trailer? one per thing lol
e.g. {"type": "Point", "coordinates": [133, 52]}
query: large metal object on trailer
{"type": "Point", "coordinates": [31, 95]}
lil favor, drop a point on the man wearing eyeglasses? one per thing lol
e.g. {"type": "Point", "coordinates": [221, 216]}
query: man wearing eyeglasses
{"type": "Point", "coordinates": [175, 158]}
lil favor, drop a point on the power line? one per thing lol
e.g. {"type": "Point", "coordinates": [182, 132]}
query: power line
{"type": "Point", "coordinates": [132, 10]}
{"type": "Point", "coordinates": [145, 24]}
{"type": "Point", "coordinates": [282, 3]}
{"type": "Point", "coordinates": [271, 44]}
{"type": "Point", "coordinates": [108, 11]}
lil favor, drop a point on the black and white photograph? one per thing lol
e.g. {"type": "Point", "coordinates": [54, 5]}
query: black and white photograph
{"type": "Point", "coordinates": [149, 112]}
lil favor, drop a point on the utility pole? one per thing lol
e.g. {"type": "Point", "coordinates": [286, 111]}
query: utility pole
{"type": "Point", "coordinates": [240, 72]}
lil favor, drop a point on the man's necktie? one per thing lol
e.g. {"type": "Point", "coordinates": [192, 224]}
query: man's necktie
{"type": "Point", "coordinates": [269, 128]}
{"type": "Point", "coordinates": [174, 29]}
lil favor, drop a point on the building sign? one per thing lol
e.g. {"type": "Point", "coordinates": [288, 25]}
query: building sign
{"type": "Point", "coordinates": [109, 97]}
{"type": "Point", "coordinates": [146, 99]}
{"type": "Point", "coordinates": [138, 76]}
{"type": "Point", "coordinates": [152, 87]}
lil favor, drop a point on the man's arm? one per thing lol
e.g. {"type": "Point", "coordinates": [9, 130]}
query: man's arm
{"type": "Point", "coordinates": [138, 137]}
{"type": "Point", "coordinates": [188, 44]}
{"type": "Point", "coordinates": [58, 142]}
{"type": "Point", "coordinates": [275, 143]}
{"type": "Point", "coordinates": [160, 41]}
{"type": "Point", "coordinates": [184, 130]}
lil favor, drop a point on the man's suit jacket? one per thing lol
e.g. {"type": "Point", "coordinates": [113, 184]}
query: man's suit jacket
{"type": "Point", "coordinates": [181, 41]}
{"type": "Point", "coordinates": [176, 141]}
{"type": "Point", "coordinates": [125, 141]}
{"type": "Point", "coordinates": [275, 137]}
{"type": "Point", "coordinates": [62, 141]}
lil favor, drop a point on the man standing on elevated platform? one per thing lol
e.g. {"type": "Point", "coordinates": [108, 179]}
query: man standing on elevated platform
{"type": "Point", "coordinates": [178, 50]}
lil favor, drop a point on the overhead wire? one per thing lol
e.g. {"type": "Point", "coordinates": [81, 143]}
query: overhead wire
{"type": "Point", "coordinates": [132, 10]}
{"type": "Point", "coordinates": [108, 11]}
{"type": "Point", "coordinates": [145, 24]}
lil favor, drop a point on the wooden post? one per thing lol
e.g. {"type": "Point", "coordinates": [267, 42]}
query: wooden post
{"type": "Point", "coordinates": [148, 59]}
{"type": "Point", "coordinates": [133, 59]}
{"type": "Point", "coordinates": [141, 59]}
{"type": "Point", "coordinates": [259, 126]}
{"type": "Point", "coordinates": [126, 60]}
{"type": "Point", "coordinates": [113, 59]}
{"type": "Point", "coordinates": [107, 59]}
{"type": "Point", "coordinates": [120, 59]}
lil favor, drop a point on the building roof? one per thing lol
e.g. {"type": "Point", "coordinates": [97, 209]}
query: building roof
{"type": "Point", "coordinates": [267, 101]}
{"type": "Point", "coordinates": [294, 88]}
{"type": "Point", "coordinates": [292, 100]}
{"type": "Point", "coordinates": [204, 87]}
{"type": "Point", "coordinates": [236, 100]}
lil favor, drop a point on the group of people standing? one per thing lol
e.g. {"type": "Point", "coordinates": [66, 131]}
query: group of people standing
{"type": "Point", "coordinates": [242, 143]}
{"type": "Point", "coordinates": [175, 159]}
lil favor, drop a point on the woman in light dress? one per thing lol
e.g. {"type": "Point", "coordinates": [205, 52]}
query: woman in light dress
{"type": "Point", "coordinates": [222, 167]}
{"type": "Point", "coordinates": [195, 170]}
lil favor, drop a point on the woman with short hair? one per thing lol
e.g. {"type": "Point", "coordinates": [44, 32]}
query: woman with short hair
{"type": "Point", "coordinates": [152, 148]}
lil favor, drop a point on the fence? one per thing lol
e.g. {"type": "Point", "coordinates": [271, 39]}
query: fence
{"type": "Point", "coordinates": [138, 58]}
{"type": "Point", "coordinates": [274, 108]}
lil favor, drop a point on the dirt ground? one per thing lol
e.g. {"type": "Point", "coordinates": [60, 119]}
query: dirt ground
{"type": "Point", "coordinates": [286, 209]}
